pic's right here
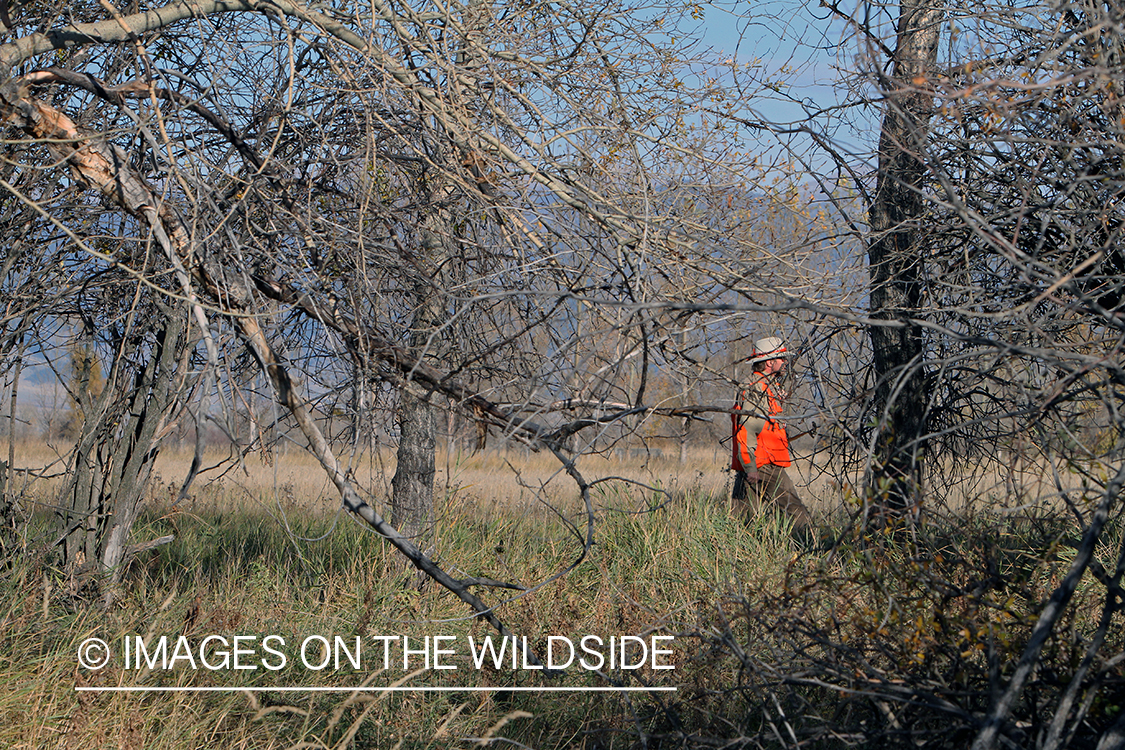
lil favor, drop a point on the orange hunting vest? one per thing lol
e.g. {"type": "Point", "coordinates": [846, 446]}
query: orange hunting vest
{"type": "Point", "coordinates": [773, 443]}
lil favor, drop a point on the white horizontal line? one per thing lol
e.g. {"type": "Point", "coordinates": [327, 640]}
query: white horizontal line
{"type": "Point", "coordinates": [399, 689]}
{"type": "Point", "coordinates": [375, 689]}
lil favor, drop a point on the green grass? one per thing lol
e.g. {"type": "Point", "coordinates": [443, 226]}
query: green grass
{"type": "Point", "coordinates": [239, 570]}
{"type": "Point", "coordinates": [749, 610]}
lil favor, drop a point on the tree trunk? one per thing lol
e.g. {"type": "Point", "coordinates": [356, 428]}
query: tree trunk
{"type": "Point", "coordinates": [117, 447]}
{"type": "Point", "coordinates": [8, 467]}
{"type": "Point", "coordinates": [897, 265]}
{"type": "Point", "coordinates": [685, 431]}
{"type": "Point", "coordinates": [412, 500]}
{"type": "Point", "coordinates": [149, 404]}
{"type": "Point", "coordinates": [412, 497]}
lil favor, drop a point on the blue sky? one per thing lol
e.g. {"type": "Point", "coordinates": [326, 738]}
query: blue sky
{"type": "Point", "coordinates": [800, 45]}
{"type": "Point", "coordinates": [785, 38]}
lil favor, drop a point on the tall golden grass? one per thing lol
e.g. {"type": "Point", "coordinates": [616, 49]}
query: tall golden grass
{"type": "Point", "coordinates": [260, 548]}
{"type": "Point", "coordinates": [259, 551]}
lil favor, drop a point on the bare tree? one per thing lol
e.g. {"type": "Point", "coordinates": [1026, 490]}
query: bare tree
{"type": "Point", "coordinates": [415, 198]}
{"type": "Point", "coordinates": [993, 242]}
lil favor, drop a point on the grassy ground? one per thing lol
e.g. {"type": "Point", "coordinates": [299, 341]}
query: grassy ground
{"type": "Point", "coordinates": [263, 551]}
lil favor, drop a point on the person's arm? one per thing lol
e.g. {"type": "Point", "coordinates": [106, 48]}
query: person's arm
{"type": "Point", "coordinates": [754, 409]}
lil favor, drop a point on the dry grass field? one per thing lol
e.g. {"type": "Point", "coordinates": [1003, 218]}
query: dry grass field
{"type": "Point", "coordinates": [260, 549]}
{"type": "Point", "coordinates": [512, 481]}
{"type": "Point", "coordinates": [515, 481]}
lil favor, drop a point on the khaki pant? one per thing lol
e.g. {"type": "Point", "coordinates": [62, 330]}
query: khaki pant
{"type": "Point", "coordinates": [769, 485]}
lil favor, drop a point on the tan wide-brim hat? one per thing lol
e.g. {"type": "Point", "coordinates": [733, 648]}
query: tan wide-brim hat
{"type": "Point", "coordinates": [770, 347]}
